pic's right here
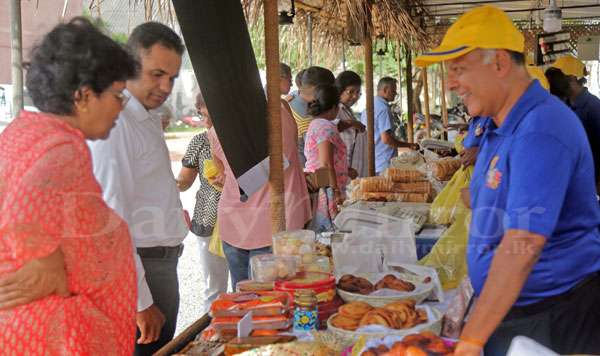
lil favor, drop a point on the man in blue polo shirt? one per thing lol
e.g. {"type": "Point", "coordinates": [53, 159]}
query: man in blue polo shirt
{"type": "Point", "coordinates": [585, 105]}
{"type": "Point", "coordinates": [534, 243]}
{"type": "Point", "coordinates": [386, 145]}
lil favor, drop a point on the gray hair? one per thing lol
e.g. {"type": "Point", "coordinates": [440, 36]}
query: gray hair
{"type": "Point", "coordinates": [386, 82]}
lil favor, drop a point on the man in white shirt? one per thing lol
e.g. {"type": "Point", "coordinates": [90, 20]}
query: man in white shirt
{"type": "Point", "coordinates": [134, 169]}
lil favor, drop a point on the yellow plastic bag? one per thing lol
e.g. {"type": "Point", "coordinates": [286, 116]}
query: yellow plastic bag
{"type": "Point", "coordinates": [446, 205]}
{"type": "Point", "coordinates": [448, 255]}
{"type": "Point", "coordinates": [215, 246]}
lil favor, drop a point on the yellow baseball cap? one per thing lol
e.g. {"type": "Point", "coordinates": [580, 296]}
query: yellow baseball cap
{"type": "Point", "coordinates": [483, 27]}
{"type": "Point", "coordinates": [538, 73]}
{"type": "Point", "coordinates": [570, 65]}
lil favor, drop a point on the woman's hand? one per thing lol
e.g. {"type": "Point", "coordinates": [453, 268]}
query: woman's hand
{"type": "Point", "coordinates": [35, 280]}
{"type": "Point", "coordinates": [338, 197]}
{"type": "Point", "coordinates": [352, 173]}
{"type": "Point", "coordinates": [218, 180]}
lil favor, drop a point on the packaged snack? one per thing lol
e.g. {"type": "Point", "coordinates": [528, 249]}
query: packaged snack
{"type": "Point", "coordinates": [281, 322]}
{"type": "Point", "coordinates": [253, 286]}
{"type": "Point", "coordinates": [269, 268]}
{"type": "Point", "coordinates": [260, 303]}
{"type": "Point", "coordinates": [295, 243]}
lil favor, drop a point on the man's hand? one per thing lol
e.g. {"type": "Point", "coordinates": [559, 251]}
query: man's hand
{"type": "Point", "coordinates": [150, 322]}
{"type": "Point", "coordinates": [468, 156]}
{"type": "Point", "coordinates": [414, 146]}
{"type": "Point", "coordinates": [359, 126]}
{"type": "Point", "coordinates": [467, 349]}
{"type": "Point", "coordinates": [36, 279]}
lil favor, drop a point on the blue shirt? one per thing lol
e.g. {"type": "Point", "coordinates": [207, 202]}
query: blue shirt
{"type": "Point", "coordinates": [533, 173]}
{"type": "Point", "coordinates": [383, 123]}
{"type": "Point", "coordinates": [477, 128]}
{"type": "Point", "coordinates": [587, 107]}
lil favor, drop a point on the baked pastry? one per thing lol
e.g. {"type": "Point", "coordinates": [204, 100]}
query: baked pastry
{"type": "Point", "coordinates": [376, 184]}
{"type": "Point", "coordinates": [354, 284]}
{"type": "Point", "coordinates": [444, 169]}
{"type": "Point", "coordinates": [344, 322]}
{"type": "Point", "coordinates": [412, 187]}
{"type": "Point", "coordinates": [379, 316]}
{"type": "Point", "coordinates": [392, 282]}
{"type": "Point", "coordinates": [403, 175]}
{"type": "Point", "coordinates": [355, 310]}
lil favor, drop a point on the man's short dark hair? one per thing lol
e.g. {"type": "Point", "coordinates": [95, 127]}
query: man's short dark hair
{"type": "Point", "coordinates": [72, 56]}
{"type": "Point", "coordinates": [347, 79]}
{"type": "Point", "coordinates": [284, 70]}
{"type": "Point", "coordinates": [386, 82]}
{"type": "Point", "coordinates": [148, 34]}
{"type": "Point", "coordinates": [314, 76]}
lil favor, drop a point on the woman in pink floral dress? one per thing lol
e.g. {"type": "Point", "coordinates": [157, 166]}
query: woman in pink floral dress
{"type": "Point", "coordinates": [324, 148]}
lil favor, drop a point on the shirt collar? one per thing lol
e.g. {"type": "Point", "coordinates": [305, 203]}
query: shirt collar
{"type": "Point", "coordinates": [581, 99]}
{"type": "Point", "coordinates": [377, 97]}
{"type": "Point", "coordinates": [534, 95]}
{"type": "Point", "coordinates": [135, 108]}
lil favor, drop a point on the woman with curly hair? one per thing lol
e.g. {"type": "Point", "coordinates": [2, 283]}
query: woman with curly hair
{"type": "Point", "coordinates": [67, 277]}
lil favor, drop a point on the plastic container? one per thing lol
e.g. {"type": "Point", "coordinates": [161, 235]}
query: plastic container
{"type": "Point", "coordinates": [306, 316]}
{"type": "Point", "coordinates": [319, 264]}
{"type": "Point", "coordinates": [281, 322]}
{"type": "Point", "coordinates": [322, 283]}
{"type": "Point", "coordinates": [295, 243]}
{"type": "Point", "coordinates": [269, 268]}
{"type": "Point", "coordinates": [253, 286]}
{"type": "Point", "coordinates": [260, 303]}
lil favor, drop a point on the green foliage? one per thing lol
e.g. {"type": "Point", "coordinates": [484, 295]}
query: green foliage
{"type": "Point", "coordinates": [99, 22]}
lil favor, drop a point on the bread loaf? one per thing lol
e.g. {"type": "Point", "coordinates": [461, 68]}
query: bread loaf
{"type": "Point", "coordinates": [376, 184]}
{"type": "Point", "coordinates": [403, 176]}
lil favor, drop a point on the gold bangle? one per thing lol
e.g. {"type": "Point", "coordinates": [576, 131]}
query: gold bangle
{"type": "Point", "coordinates": [471, 341]}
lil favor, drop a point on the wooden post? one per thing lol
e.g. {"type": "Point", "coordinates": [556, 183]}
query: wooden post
{"type": "Point", "coordinates": [274, 114]}
{"type": "Point", "coordinates": [409, 95]}
{"type": "Point", "coordinates": [444, 107]}
{"type": "Point", "coordinates": [309, 29]}
{"type": "Point", "coordinates": [16, 56]}
{"type": "Point", "coordinates": [400, 74]}
{"type": "Point", "coordinates": [368, 46]}
{"type": "Point", "coordinates": [426, 103]}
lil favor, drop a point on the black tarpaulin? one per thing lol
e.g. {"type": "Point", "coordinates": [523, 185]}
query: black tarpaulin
{"type": "Point", "coordinates": [217, 39]}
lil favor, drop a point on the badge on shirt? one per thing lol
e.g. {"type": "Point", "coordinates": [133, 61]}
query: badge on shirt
{"type": "Point", "coordinates": [478, 130]}
{"type": "Point", "coordinates": [494, 176]}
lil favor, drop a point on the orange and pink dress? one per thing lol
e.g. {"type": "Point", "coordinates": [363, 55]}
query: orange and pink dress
{"type": "Point", "coordinates": [49, 198]}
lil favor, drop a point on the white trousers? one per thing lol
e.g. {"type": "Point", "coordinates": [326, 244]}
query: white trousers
{"type": "Point", "coordinates": [214, 272]}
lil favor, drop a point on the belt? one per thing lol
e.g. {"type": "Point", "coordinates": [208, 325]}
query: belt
{"type": "Point", "coordinates": [160, 251]}
{"type": "Point", "coordinates": [550, 302]}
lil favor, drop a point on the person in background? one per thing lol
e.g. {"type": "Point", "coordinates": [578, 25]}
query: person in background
{"type": "Point", "coordinates": [534, 245]}
{"type": "Point", "coordinates": [386, 145]}
{"type": "Point", "coordinates": [166, 116]}
{"type": "Point", "coordinates": [285, 83]}
{"type": "Point", "coordinates": [134, 169]}
{"type": "Point", "coordinates": [311, 77]}
{"type": "Point", "coordinates": [245, 226]}
{"type": "Point", "coordinates": [298, 84]}
{"type": "Point", "coordinates": [585, 105]}
{"type": "Point", "coordinates": [349, 85]}
{"type": "Point", "coordinates": [67, 276]}
{"type": "Point", "coordinates": [326, 149]}
{"type": "Point", "coordinates": [213, 269]}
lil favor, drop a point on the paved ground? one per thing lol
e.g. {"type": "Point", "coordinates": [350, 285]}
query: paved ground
{"type": "Point", "coordinates": [190, 284]}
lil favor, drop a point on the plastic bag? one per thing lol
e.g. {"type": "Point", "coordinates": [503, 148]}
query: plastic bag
{"type": "Point", "coordinates": [448, 202]}
{"type": "Point", "coordinates": [215, 246]}
{"type": "Point", "coordinates": [448, 255]}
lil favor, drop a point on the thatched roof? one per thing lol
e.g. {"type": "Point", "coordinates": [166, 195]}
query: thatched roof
{"type": "Point", "coordinates": [335, 21]}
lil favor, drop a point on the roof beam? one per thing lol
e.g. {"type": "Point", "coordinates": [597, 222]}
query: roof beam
{"type": "Point", "coordinates": [521, 10]}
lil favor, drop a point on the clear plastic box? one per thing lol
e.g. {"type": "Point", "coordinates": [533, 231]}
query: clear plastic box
{"type": "Point", "coordinates": [270, 268]}
{"type": "Point", "coordinates": [295, 243]}
{"type": "Point", "coordinates": [319, 264]}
